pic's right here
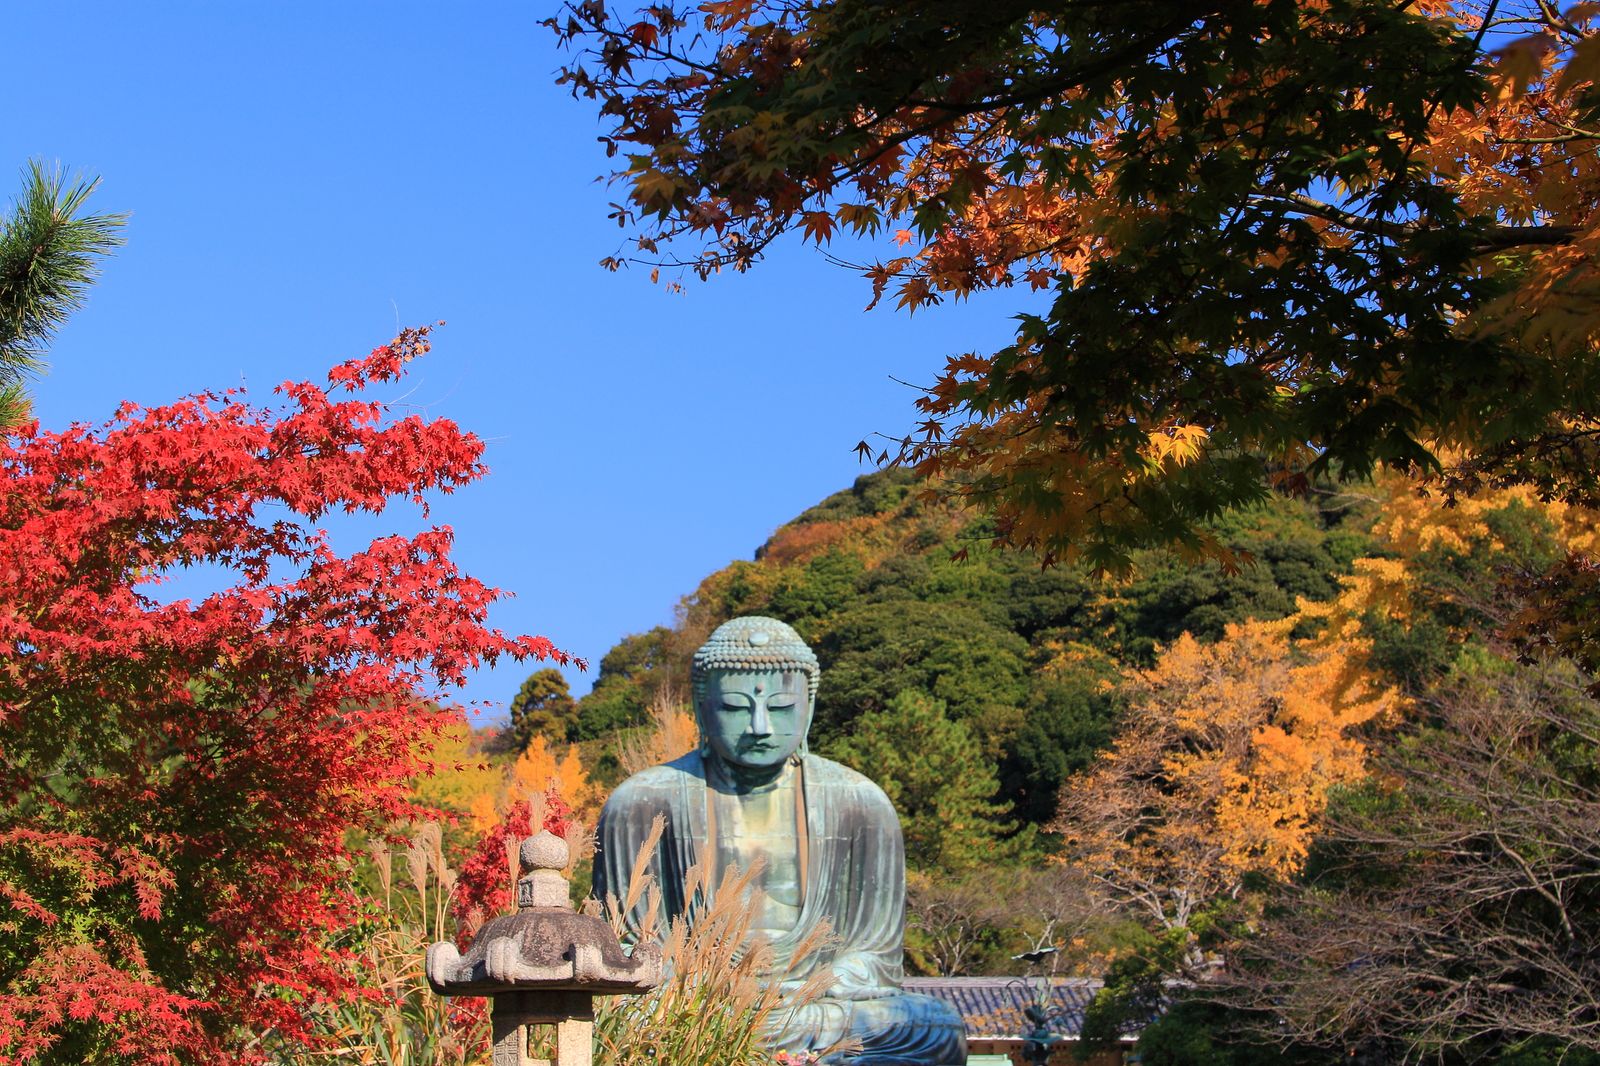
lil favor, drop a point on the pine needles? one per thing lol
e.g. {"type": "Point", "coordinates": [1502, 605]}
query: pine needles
{"type": "Point", "coordinates": [48, 257]}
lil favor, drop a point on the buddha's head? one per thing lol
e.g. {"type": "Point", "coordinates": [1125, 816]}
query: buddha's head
{"type": "Point", "coordinates": [755, 688]}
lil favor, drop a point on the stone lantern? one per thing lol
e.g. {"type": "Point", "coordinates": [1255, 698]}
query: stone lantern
{"type": "Point", "coordinates": [544, 964]}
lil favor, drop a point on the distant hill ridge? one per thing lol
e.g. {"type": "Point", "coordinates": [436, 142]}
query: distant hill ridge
{"type": "Point", "coordinates": [1022, 657]}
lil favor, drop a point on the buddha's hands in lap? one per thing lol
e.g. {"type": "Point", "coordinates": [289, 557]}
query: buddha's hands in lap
{"type": "Point", "coordinates": [851, 981]}
{"type": "Point", "coordinates": [838, 991]}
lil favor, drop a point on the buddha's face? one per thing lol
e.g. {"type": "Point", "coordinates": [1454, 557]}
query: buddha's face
{"type": "Point", "coordinates": [755, 720]}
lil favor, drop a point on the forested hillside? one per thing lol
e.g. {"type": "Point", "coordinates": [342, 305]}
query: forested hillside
{"type": "Point", "coordinates": [1149, 760]}
{"type": "Point", "coordinates": [898, 596]}
{"type": "Point", "coordinates": [1357, 746]}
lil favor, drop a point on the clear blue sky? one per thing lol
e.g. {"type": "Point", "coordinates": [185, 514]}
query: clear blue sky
{"type": "Point", "coordinates": [303, 177]}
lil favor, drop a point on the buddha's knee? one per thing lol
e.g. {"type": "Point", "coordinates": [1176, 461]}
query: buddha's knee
{"type": "Point", "coordinates": [905, 1030]}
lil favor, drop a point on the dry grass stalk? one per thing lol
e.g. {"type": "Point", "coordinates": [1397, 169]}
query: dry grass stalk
{"type": "Point", "coordinates": [720, 997]}
{"type": "Point", "coordinates": [404, 1024]}
{"type": "Point", "coordinates": [382, 861]}
{"type": "Point", "coordinates": [723, 991]}
{"type": "Point", "coordinates": [580, 845]}
{"type": "Point", "coordinates": [671, 733]}
{"type": "Point", "coordinates": [639, 882]}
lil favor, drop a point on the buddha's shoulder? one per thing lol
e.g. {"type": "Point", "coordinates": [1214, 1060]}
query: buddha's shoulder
{"type": "Point", "coordinates": [838, 777]}
{"type": "Point", "coordinates": [657, 783]}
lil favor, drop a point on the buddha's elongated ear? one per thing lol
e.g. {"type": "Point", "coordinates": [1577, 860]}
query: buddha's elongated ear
{"type": "Point", "coordinates": [697, 706]}
{"type": "Point", "coordinates": [811, 712]}
{"type": "Point", "coordinates": [700, 725]}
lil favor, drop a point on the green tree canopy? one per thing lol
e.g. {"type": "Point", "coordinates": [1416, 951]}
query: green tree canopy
{"type": "Point", "coordinates": [1281, 240]}
{"type": "Point", "coordinates": [543, 707]}
{"type": "Point", "coordinates": [948, 651]}
{"type": "Point", "coordinates": [1069, 716]}
{"type": "Point", "coordinates": [935, 774]}
{"type": "Point", "coordinates": [629, 675]}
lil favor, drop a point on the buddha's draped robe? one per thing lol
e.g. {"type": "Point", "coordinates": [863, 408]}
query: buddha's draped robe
{"type": "Point", "coordinates": [854, 880]}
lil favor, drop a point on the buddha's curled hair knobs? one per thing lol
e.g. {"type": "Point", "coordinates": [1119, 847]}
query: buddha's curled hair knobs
{"type": "Point", "coordinates": [757, 644]}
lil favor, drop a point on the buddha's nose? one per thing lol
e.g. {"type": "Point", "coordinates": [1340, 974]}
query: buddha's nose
{"type": "Point", "coordinates": [760, 723]}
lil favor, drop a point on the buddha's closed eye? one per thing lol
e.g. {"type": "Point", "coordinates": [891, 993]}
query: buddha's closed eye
{"type": "Point", "coordinates": [735, 703]}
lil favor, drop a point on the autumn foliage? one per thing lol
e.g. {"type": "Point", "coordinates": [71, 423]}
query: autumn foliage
{"type": "Point", "coordinates": [1221, 769]}
{"type": "Point", "coordinates": [179, 775]}
{"type": "Point", "coordinates": [1269, 242]}
{"type": "Point", "coordinates": [489, 874]}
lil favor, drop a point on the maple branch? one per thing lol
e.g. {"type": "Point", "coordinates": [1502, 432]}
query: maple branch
{"type": "Point", "coordinates": [642, 49]}
{"type": "Point", "coordinates": [1495, 238]}
{"type": "Point", "coordinates": [1330, 213]}
{"type": "Point", "coordinates": [1557, 21]}
{"type": "Point", "coordinates": [1499, 238]}
{"type": "Point", "coordinates": [1576, 135]}
{"type": "Point", "coordinates": [1107, 65]}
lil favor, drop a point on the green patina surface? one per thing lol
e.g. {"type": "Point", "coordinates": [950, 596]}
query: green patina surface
{"type": "Point", "coordinates": [827, 839]}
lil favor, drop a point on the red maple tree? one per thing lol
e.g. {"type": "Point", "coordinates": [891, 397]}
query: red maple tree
{"type": "Point", "coordinates": [487, 875]}
{"type": "Point", "coordinates": [178, 778]}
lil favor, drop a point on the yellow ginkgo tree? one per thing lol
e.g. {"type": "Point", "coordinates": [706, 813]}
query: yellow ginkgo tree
{"type": "Point", "coordinates": [1221, 769]}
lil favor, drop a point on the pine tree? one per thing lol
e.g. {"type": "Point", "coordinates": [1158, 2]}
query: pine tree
{"type": "Point", "coordinates": [48, 253]}
{"type": "Point", "coordinates": [933, 770]}
{"type": "Point", "coordinates": [543, 707]}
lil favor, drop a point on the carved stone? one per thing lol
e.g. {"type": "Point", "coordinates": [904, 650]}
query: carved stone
{"type": "Point", "coordinates": [544, 964]}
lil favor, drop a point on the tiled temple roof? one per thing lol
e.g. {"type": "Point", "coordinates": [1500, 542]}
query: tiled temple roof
{"type": "Point", "coordinates": [992, 1006]}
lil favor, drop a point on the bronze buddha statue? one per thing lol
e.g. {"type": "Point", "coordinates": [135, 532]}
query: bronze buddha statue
{"type": "Point", "coordinates": [827, 839]}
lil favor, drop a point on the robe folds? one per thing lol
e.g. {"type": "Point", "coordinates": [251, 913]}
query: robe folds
{"type": "Point", "coordinates": [852, 860]}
